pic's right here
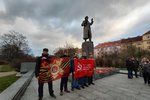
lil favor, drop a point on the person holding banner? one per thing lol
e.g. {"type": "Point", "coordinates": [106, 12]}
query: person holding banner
{"type": "Point", "coordinates": [43, 74]}
{"type": "Point", "coordinates": [83, 80]}
{"type": "Point", "coordinates": [64, 78]}
{"type": "Point", "coordinates": [74, 82]}
{"type": "Point", "coordinates": [91, 70]}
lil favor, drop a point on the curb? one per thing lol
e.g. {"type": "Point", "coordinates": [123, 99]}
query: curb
{"type": "Point", "coordinates": [17, 89]}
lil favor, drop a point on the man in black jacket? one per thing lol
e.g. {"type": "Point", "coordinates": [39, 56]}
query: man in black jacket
{"type": "Point", "coordinates": [41, 74]}
{"type": "Point", "coordinates": [129, 67]}
{"type": "Point", "coordinates": [135, 64]}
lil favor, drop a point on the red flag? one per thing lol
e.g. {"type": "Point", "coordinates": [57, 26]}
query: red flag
{"type": "Point", "coordinates": [91, 65]}
{"type": "Point", "coordinates": [83, 67]}
{"type": "Point", "coordinates": [78, 68]}
{"type": "Point", "coordinates": [54, 68]}
{"type": "Point", "coordinates": [45, 74]}
{"type": "Point", "coordinates": [65, 65]}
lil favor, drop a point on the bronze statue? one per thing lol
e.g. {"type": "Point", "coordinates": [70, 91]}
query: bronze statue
{"type": "Point", "coordinates": [87, 29]}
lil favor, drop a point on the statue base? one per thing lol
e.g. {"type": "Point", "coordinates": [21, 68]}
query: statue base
{"type": "Point", "coordinates": [88, 47]}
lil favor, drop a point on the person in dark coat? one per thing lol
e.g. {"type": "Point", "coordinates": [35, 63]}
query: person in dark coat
{"type": "Point", "coordinates": [129, 67]}
{"type": "Point", "coordinates": [64, 79]}
{"type": "Point", "coordinates": [135, 65]}
{"type": "Point", "coordinates": [146, 70]}
{"type": "Point", "coordinates": [42, 76]}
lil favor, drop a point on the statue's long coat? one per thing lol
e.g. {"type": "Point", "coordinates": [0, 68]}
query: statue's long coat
{"type": "Point", "coordinates": [87, 29]}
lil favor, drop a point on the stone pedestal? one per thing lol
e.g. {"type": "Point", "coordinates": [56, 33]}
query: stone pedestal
{"type": "Point", "coordinates": [88, 47]}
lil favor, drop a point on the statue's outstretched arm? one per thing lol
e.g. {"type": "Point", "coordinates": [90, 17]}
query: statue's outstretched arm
{"type": "Point", "coordinates": [91, 21]}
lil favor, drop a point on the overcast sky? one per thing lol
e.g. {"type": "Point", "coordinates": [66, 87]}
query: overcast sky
{"type": "Point", "coordinates": [52, 23]}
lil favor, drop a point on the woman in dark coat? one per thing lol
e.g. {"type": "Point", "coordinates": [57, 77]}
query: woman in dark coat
{"type": "Point", "coordinates": [145, 63]}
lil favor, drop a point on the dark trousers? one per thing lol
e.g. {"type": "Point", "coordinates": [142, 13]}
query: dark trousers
{"type": "Point", "coordinates": [146, 77]}
{"type": "Point", "coordinates": [74, 82]}
{"type": "Point", "coordinates": [135, 71]}
{"type": "Point", "coordinates": [83, 81]}
{"type": "Point", "coordinates": [63, 83]}
{"type": "Point", "coordinates": [130, 73]}
{"type": "Point", "coordinates": [40, 88]}
{"type": "Point", "coordinates": [90, 80]}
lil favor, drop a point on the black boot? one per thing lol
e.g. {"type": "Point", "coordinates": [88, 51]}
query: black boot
{"type": "Point", "coordinates": [61, 93]}
{"type": "Point", "coordinates": [40, 98]}
{"type": "Point", "coordinates": [92, 83]}
{"type": "Point", "coordinates": [67, 91]}
{"type": "Point", "coordinates": [53, 95]}
{"type": "Point", "coordinates": [86, 85]}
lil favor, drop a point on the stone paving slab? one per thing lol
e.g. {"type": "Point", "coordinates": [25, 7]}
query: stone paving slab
{"type": "Point", "coordinates": [115, 87]}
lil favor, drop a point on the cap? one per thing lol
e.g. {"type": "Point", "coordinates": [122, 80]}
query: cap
{"type": "Point", "coordinates": [45, 49]}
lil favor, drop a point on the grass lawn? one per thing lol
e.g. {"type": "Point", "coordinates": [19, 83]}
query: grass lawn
{"type": "Point", "coordinates": [6, 68]}
{"type": "Point", "coordinates": [6, 81]}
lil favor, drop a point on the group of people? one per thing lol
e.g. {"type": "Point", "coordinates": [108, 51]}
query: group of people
{"type": "Point", "coordinates": [132, 64]}
{"type": "Point", "coordinates": [143, 66]}
{"type": "Point", "coordinates": [82, 82]}
{"type": "Point", "coordinates": [76, 83]}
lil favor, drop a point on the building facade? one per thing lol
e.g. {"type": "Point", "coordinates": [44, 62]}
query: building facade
{"type": "Point", "coordinates": [141, 42]}
{"type": "Point", "coordinates": [146, 41]}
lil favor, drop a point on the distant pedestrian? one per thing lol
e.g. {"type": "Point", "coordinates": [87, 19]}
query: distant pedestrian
{"type": "Point", "coordinates": [129, 67]}
{"type": "Point", "coordinates": [135, 66]}
{"type": "Point", "coordinates": [146, 70]}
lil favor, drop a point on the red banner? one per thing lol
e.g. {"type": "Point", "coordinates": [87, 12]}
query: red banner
{"type": "Point", "coordinates": [83, 67]}
{"type": "Point", "coordinates": [91, 65]}
{"type": "Point", "coordinates": [54, 68]}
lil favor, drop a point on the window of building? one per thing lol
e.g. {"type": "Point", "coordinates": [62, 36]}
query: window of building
{"type": "Point", "coordinates": [139, 43]}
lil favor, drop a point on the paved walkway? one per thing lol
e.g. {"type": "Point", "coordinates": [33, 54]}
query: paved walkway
{"type": "Point", "coordinates": [115, 87]}
{"type": "Point", "coordinates": [2, 74]}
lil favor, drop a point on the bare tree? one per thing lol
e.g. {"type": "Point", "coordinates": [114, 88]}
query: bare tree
{"type": "Point", "coordinates": [13, 45]}
{"type": "Point", "coordinates": [68, 49]}
{"type": "Point", "coordinates": [117, 59]}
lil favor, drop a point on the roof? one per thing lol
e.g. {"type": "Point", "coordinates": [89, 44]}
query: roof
{"type": "Point", "coordinates": [115, 43]}
{"type": "Point", "coordinates": [119, 42]}
{"type": "Point", "coordinates": [133, 39]}
{"type": "Point", "coordinates": [147, 33]}
{"type": "Point", "coordinates": [107, 44]}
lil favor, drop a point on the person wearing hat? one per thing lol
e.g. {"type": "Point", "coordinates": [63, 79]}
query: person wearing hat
{"type": "Point", "coordinates": [43, 75]}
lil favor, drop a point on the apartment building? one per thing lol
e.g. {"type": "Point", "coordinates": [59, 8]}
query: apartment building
{"type": "Point", "coordinates": [142, 42]}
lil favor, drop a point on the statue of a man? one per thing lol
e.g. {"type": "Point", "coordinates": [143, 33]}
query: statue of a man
{"type": "Point", "coordinates": [87, 29]}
